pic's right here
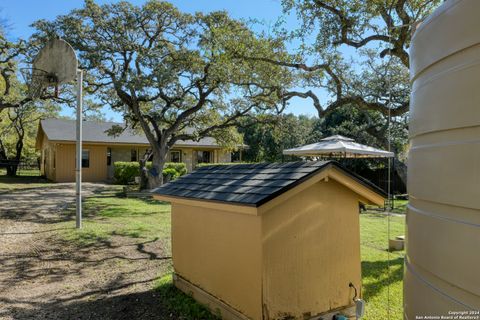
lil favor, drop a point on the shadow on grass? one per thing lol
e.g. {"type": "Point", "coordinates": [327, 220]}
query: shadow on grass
{"type": "Point", "coordinates": [94, 305]}
{"type": "Point", "coordinates": [23, 179]}
{"type": "Point", "coordinates": [164, 301]}
{"type": "Point", "coordinates": [47, 262]}
{"type": "Point", "coordinates": [179, 303]}
{"type": "Point", "coordinates": [35, 232]}
{"type": "Point", "coordinates": [378, 270]}
{"type": "Point", "coordinates": [110, 205]}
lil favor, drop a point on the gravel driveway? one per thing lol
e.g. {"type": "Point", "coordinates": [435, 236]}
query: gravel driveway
{"type": "Point", "coordinates": [44, 277]}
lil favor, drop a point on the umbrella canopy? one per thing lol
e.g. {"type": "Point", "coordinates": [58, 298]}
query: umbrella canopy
{"type": "Point", "coordinates": [338, 146]}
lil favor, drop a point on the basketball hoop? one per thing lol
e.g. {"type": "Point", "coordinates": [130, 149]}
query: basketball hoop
{"type": "Point", "coordinates": [38, 81]}
{"type": "Point", "coordinates": [55, 64]}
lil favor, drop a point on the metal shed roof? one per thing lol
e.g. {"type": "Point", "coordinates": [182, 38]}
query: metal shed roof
{"type": "Point", "coordinates": [249, 184]}
{"type": "Point", "coordinates": [64, 130]}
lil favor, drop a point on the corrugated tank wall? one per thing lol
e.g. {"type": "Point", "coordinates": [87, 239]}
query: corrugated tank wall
{"type": "Point", "coordinates": [442, 272]}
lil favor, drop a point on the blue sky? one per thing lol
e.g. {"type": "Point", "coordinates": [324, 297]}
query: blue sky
{"type": "Point", "coordinates": [19, 14]}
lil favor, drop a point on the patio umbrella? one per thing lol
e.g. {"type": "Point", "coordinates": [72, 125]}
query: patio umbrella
{"type": "Point", "coordinates": [338, 146]}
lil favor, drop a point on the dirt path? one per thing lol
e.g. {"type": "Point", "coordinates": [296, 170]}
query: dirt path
{"type": "Point", "coordinates": [45, 277]}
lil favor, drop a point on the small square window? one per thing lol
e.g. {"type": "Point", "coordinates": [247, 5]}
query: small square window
{"type": "Point", "coordinates": [204, 156]}
{"type": "Point", "coordinates": [175, 156]}
{"type": "Point", "coordinates": [85, 158]}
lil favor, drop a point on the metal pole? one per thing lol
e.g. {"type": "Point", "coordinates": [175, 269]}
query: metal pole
{"type": "Point", "coordinates": [78, 169]}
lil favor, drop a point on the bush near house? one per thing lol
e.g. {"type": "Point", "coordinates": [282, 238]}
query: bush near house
{"type": "Point", "coordinates": [125, 172]}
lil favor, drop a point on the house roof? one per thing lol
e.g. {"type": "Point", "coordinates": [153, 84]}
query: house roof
{"type": "Point", "coordinates": [65, 130]}
{"type": "Point", "coordinates": [249, 184]}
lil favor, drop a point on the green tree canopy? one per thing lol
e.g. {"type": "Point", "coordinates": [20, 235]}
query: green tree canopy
{"type": "Point", "coordinates": [355, 50]}
{"type": "Point", "coordinates": [19, 112]}
{"type": "Point", "coordinates": [353, 54]}
{"type": "Point", "coordinates": [168, 71]}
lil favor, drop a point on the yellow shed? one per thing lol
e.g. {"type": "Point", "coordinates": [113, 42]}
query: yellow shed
{"type": "Point", "coordinates": [269, 241]}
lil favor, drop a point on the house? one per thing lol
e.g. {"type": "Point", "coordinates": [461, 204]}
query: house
{"type": "Point", "coordinates": [56, 141]}
{"type": "Point", "coordinates": [269, 241]}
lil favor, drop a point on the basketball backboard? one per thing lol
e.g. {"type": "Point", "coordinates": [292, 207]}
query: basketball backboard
{"type": "Point", "coordinates": [58, 59]}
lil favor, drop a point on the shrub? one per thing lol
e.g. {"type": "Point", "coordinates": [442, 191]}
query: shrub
{"type": "Point", "coordinates": [125, 172]}
{"type": "Point", "coordinates": [180, 167]}
{"type": "Point", "coordinates": [170, 174]}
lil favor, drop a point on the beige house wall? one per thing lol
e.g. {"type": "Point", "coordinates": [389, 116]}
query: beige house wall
{"type": "Point", "coordinates": [47, 163]}
{"type": "Point", "coordinates": [189, 156]}
{"type": "Point", "coordinates": [65, 163]}
{"type": "Point", "coordinates": [224, 156]}
{"type": "Point", "coordinates": [58, 159]}
{"type": "Point", "coordinates": [122, 154]}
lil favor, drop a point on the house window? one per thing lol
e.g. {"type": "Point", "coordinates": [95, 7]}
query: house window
{"type": "Point", "coordinates": [133, 155]}
{"type": "Point", "coordinates": [54, 159]}
{"type": "Point", "coordinates": [204, 156]}
{"type": "Point", "coordinates": [175, 156]}
{"type": "Point", "coordinates": [85, 158]}
{"type": "Point", "coordinates": [109, 156]}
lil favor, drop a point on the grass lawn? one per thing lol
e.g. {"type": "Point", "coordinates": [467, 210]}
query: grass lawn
{"type": "Point", "coordinates": [107, 215]}
{"type": "Point", "coordinates": [379, 284]}
{"type": "Point", "coordinates": [400, 206]}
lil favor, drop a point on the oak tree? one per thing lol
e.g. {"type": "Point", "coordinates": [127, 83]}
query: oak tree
{"type": "Point", "coordinates": [353, 53]}
{"type": "Point", "coordinates": [172, 74]}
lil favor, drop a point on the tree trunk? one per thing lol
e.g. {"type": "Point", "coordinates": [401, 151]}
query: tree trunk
{"type": "Point", "coordinates": [12, 169]}
{"type": "Point", "coordinates": [143, 174]}
{"type": "Point", "coordinates": [155, 175]}
{"type": "Point", "coordinates": [153, 178]}
{"type": "Point", "coordinates": [12, 164]}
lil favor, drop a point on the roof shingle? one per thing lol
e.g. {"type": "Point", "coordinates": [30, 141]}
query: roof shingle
{"type": "Point", "coordinates": [247, 184]}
